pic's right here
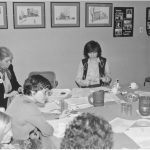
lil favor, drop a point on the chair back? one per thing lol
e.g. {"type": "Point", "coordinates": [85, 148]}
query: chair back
{"type": "Point", "coordinates": [50, 75]}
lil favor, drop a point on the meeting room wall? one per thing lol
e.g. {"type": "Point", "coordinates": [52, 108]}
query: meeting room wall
{"type": "Point", "coordinates": [61, 49]}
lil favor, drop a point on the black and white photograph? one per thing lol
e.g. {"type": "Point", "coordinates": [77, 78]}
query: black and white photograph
{"type": "Point", "coordinates": [124, 19]}
{"type": "Point", "coordinates": [75, 74]}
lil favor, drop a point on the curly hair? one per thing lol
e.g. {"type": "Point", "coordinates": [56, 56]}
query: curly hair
{"type": "Point", "coordinates": [36, 83]}
{"type": "Point", "coordinates": [87, 131]}
{"type": "Point", "coordinates": [92, 46]}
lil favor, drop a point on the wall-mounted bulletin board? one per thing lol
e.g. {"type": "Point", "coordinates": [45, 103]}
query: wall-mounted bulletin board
{"type": "Point", "coordinates": [123, 21]}
{"type": "Point", "coordinates": [148, 20]}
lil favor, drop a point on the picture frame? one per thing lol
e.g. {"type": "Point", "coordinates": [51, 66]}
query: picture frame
{"type": "Point", "coordinates": [3, 15]}
{"type": "Point", "coordinates": [123, 22]}
{"type": "Point", "coordinates": [98, 14]}
{"type": "Point", "coordinates": [29, 15]}
{"type": "Point", "coordinates": [148, 21]}
{"type": "Point", "coordinates": [65, 14]}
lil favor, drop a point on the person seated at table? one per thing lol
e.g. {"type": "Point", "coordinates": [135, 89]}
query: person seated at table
{"type": "Point", "coordinates": [9, 85]}
{"type": "Point", "coordinates": [93, 70]}
{"type": "Point", "coordinates": [87, 131]}
{"type": "Point", "coordinates": [27, 120]}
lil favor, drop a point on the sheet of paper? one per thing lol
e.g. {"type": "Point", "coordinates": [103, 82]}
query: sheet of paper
{"type": "Point", "coordinates": [60, 125]}
{"type": "Point", "coordinates": [142, 93]}
{"type": "Point", "coordinates": [50, 108]}
{"type": "Point", "coordinates": [80, 92]}
{"type": "Point", "coordinates": [100, 88]}
{"type": "Point", "coordinates": [120, 125]}
{"type": "Point", "coordinates": [60, 92]}
{"type": "Point", "coordinates": [111, 97]}
{"type": "Point", "coordinates": [78, 103]}
{"type": "Point", "coordinates": [140, 135]}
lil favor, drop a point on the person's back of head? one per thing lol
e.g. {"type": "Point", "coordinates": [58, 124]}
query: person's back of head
{"type": "Point", "coordinates": [36, 83]}
{"type": "Point", "coordinates": [87, 131]}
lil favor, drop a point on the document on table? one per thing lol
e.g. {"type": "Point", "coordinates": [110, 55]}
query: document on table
{"type": "Point", "coordinates": [60, 125]}
{"type": "Point", "coordinates": [78, 103]}
{"type": "Point", "coordinates": [111, 97]}
{"type": "Point", "coordinates": [120, 125]}
{"type": "Point", "coordinates": [142, 93]}
{"type": "Point", "coordinates": [58, 94]}
{"type": "Point", "coordinates": [140, 135]}
{"type": "Point", "coordinates": [50, 107]}
{"type": "Point", "coordinates": [137, 130]}
{"type": "Point", "coordinates": [84, 92]}
{"type": "Point", "coordinates": [80, 92]}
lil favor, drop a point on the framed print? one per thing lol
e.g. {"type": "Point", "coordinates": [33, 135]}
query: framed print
{"type": "Point", "coordinates": [98, 14]}
{"type": "Point", "coordinates": [123, 21]}
{"type": "Point", "coordinates": [148, 21]}
{"type": "Point", "coordinates": [3, 15]}
{"type": "Point", "coordinates": [65, 14]}
{"type": "Point", "coordinates": [29, 14]}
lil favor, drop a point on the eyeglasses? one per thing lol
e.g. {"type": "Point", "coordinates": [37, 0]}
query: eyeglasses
{"type": "Point", "coordinates": [49, 92]}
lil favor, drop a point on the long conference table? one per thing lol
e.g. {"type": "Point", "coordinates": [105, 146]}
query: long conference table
{"type": "Point", "coordinates": [109, 111]}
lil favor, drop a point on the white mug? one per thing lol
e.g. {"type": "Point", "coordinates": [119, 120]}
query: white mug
{"type": "Point", "coordinates": [133, 85]}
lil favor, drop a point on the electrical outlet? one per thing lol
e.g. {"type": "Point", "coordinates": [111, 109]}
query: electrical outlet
{"type": "Point", "coordinates": [141, 29]}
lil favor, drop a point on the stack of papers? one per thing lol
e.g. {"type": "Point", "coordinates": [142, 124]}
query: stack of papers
{"type": "Point", "coordinates": [58, 94]}
{"type": "Point", "coordinates": [80, 92]}
{"type": "Point", "coordinates": [77, 103]}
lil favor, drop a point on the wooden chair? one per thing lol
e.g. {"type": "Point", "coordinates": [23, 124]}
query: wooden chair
{"type": "Point", "coordinates": [50, 75]}
{"type": "Point", "coordinates": [147, 79]}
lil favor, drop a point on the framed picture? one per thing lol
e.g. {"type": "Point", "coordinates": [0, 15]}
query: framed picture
{"type": "Point", "coordinates": [148, 21]}
{"type": "Point", "coordinates": [98, 14]}
{"type": "Point", "coordinates": [65, 14]}
{"type": "Point", "coordinates": [123, 21]}
{"type": "Point", "coordinates": [3, 15]}
{"type": "Point", "coordinates": [29, 14]}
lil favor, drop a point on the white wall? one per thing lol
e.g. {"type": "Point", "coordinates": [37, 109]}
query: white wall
{"type": "Point", "coordinates": [61, 49]}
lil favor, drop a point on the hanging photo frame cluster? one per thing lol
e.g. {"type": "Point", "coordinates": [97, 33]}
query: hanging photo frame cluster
{"type": "Point", "coordinates": [148, 20]}
{"type": "Point", "coordinates": [123, 21]}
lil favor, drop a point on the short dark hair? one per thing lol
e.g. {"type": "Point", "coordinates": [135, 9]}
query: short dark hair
{"type": "Point", "coordinates": [92, 46]}
{"type": "Point", "coordinates": [35, 83]}
{"type": "Point", "coordinates": [87, 131]}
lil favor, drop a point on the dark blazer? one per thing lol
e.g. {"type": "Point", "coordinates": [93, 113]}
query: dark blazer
{"type": "Point", "coordinates": [15, 86]}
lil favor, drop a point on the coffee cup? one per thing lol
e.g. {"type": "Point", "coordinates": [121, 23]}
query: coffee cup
{"type": "Point", "coordinates": [98, 98]}
{"type": "Point", "coordinates": [133, 85]}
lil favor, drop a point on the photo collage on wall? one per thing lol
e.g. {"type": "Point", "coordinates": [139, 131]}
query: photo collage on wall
{"type": "Point", "coordinates": [123, 21]}
{"type": "Point", "coordinates": [148, 20]}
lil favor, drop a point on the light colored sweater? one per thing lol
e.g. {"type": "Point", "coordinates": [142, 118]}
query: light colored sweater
{"type": "Point", "coordinates": [25, 117]}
